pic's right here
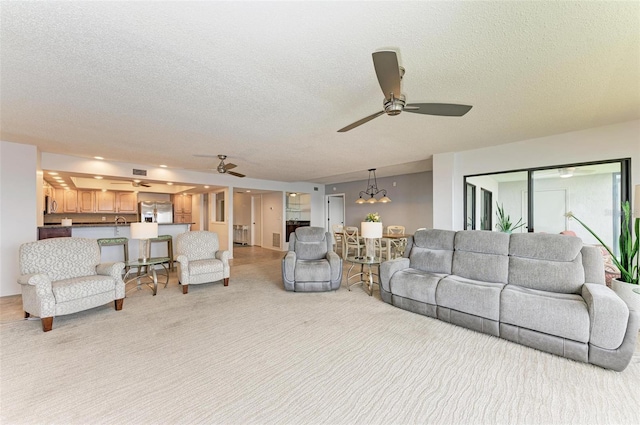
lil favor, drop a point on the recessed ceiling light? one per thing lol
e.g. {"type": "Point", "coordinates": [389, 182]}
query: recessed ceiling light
{"type": "Point", "coordinates": [248, 191]}
{"type": "Point", "coordinates": [52, 173]}
{"type": "Point", "coordinates": [170, 184]}
{"type": "Point", "coordinates": [206, 187]}
{"type": "Point", "coordinates": [163, 166]}
{"type": "Point", "coordinates": [104, 190]}
{"type": "Point", "coordinates": [99, 157]}
{"type": "Point", "coordinates": [58, 179]}
{"type": "Point", "coordinates": [63, 184]}
{"type": "Point", "coordinates": [97, 177]}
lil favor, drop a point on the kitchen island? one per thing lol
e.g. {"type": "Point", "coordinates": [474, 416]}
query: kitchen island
{"type": "Point", "coordinates": [110, 230]}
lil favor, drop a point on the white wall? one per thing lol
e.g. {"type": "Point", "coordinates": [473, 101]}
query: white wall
{"type": "Point", "coordinates": [609, 142]}
{"type": "Point", "coordinates": [273, 208]}
{"type": "Point", "coordinates": [18, 208]}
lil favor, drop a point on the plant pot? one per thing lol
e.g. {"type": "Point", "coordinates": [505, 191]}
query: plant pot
{"type": "Point", "coordinates": [629, 293]}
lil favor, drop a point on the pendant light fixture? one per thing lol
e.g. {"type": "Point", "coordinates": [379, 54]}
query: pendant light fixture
{"type": "Point", "coordinates": [372, 191]}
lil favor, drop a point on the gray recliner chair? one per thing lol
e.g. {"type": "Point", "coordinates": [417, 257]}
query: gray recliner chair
{"type": "Point", "coordinates": [310, 265]}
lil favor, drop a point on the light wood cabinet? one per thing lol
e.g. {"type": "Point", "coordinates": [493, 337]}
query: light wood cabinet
{"type": "Point", "coordinates": [182, 218]}
{"type": "Point", "coordinates": [67, 201]}
{"type": "Point", "coordinates": [86, 201]}
{"type": "Point", "coordinates": [182, 204]}
{"type": "Point", "coordinates": [106, 201]}
{"type": "Point", "coordinates": [127, 203]}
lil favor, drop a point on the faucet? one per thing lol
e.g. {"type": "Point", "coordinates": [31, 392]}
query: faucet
{"type": "Point", "coordinates": [120, 220]}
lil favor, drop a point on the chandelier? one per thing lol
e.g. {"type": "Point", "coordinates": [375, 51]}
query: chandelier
{"type": "Point", "coordinates": [372, 191]}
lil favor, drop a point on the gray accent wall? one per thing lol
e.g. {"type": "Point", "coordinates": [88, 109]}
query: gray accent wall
{"type": "Point", "coordinates": [411, 201]}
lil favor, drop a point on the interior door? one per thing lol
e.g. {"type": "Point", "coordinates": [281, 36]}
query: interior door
{"type": "Point", "coordinates": [256, 220]}
{"type": "Point", "coordinates": [335, 211]}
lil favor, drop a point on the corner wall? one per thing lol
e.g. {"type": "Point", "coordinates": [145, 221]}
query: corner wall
{"type": "Point", "coordinates": [596, 144]}
{"type": "Point", "coordinates": [18, 208]}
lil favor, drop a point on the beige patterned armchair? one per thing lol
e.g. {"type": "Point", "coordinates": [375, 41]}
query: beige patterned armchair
{"type": "Point", "coordinates": [200, 259]}
{"type": "Point", "coordinates": [64, 275]}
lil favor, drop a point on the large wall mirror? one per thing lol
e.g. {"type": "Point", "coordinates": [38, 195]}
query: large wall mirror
{"type": "Point", "coordinates": [539, 199]}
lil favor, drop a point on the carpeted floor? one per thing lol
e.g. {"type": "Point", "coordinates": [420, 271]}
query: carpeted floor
{"type": "Point", "coordinates": [251, 353]}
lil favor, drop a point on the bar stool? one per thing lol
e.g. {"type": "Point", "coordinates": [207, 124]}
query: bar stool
{"type": "Point", "coordinates": [169, 240]}
{"type": "Point", "coordinates": [114, 242]}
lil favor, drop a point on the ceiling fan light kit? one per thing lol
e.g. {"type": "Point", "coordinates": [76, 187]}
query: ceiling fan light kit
{"type": "Point", "coordinates": [389, 74]}
{"type": "Point", "coordinates": [223, 168]}
{"type": "Point", "coordinates": [372, 191]}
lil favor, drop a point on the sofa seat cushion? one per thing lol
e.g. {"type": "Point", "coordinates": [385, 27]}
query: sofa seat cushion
{"type": "Point", "coordinates": [312, 271]}
{"type": "Point", "coordinates": [563, 315]}
{"type": "Point", "coordinates": [210, 265]}
{"type": "Point", "coordinates": [470, 296]}
{"type": "Point", "coordinates": [416, 285]}
{"type": "Point", "coordinates": [81, 287]}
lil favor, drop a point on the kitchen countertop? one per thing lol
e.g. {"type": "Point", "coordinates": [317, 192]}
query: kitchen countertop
{"type": "Point", "coordinates": [102, 224]}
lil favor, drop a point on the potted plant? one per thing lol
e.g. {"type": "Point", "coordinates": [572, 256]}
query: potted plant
{"type": "Point", "coordinates": [504, 223]}
{"type": "Point", "coordinates": [627, 262]}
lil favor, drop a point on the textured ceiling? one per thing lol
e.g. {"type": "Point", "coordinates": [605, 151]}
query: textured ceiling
{"type": "Point", "coordinates": [270, 83]}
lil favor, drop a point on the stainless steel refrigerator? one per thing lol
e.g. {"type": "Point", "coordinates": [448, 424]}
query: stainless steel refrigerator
{"type": "Point", "coordinates": [156, 211]}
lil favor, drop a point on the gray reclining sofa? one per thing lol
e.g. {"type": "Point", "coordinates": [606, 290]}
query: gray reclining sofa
{"type": "Point", "coordinates": [541, 290]}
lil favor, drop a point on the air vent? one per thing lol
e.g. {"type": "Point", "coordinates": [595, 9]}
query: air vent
{"type": "Point", "coordinates": [276, 240]}
{"type": "Point", "coordinates": [139, 172]}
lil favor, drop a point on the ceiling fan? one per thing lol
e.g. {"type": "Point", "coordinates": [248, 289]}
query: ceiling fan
{"type": "Point", "coordinates": [563, 172]}
{"type": "Point", "coordinates": [389, 75]}
{"type": "Point", "coordinates": [222, 167]}
{"type": "Point", "coordinates": [134, 183]}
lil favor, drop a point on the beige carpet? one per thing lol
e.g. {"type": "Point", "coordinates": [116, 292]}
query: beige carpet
{"type": "Point", "coordinates": [252, 353]}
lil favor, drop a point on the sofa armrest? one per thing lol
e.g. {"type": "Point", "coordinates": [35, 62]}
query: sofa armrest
{"type": "Point", "coordinates": [111, 269]}
{"type": "Point", "coordinates": [288, 266]}
{"type": "Point", "coordinates": [182, 260]}
{"type": "Point", "coordinates": [608, 316]}
{"type": "Point", "coordinates": [389, 268]}
{"type": "Point", "coordinates": [223, 256]}
{"type": "Point", "coordinates": [335, 262]}
{"type": "Point", "coordinates": [39, 280]}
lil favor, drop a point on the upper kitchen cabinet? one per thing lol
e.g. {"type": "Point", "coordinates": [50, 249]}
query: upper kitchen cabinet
{"type": "Point", "coordinates": [67, 201]}
{"type": "Point", "coordinates": [182, 204]}
{"type": "Point", "coordinates": [105, 201]}
{"type": "Point", "coordinates": [86, 201]}
{"type": "Point", "coordinates": [127, 203]}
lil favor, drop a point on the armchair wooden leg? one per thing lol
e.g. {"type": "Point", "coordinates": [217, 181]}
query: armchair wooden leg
{"type": "Point", "coordinates": [185, 289]}
{"type": "Point", "coordinates": [118, 304]}
{"type": "Point", "coordinates": [226, 281]}
{"type": "Point", "coordinates": [47, 323]}
{"type": "Point", "coordinates": [26, 315]}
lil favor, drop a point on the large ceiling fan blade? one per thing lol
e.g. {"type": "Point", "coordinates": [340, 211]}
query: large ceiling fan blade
{"type": "Point", "coordinates": [229, 166]}
{"type": "Point", "coordinates": [388, 72]}
{"type": "Point", "coordinates": [442, 109]}
{"type": "Point", "coordinates": [206, 156]}
{"type": "Point", "coordinates": [360, 122]}
{"type": "Point", "coordinates": [233, 173]}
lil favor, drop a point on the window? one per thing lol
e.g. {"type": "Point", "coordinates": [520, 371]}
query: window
{"type": "Point", "coordinates": [542, 197]}
{"type": "Point", "coordinates": [470, 207]}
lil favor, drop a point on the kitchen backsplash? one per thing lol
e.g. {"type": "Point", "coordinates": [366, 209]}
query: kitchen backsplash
{"type": "Point", "coordinates": [88, 218]}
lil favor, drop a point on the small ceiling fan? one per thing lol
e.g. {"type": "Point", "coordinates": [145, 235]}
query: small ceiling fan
{"type": "Point", "coordinates": [134, 183]}
{"type": "Point", "coordinates": [222, 167]}
{"type": "Point", "coordinates": [389, 76]}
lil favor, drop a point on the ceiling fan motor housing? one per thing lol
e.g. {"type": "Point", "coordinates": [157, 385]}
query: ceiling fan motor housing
{"type": "Point", "coordinates": [395, 105]}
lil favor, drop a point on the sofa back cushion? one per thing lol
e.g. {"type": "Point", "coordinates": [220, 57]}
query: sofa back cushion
{"type": "Point", "coordinates": [432, 250]}
{"type": "Point", "coordinates": [310, 243]}
{"type": "Point", "coordinates": [60, 258]}
{"type": "Point", "coordinates": [197, 245]}
{"type": "Point", "coordinates": [481, 255]}
{"type": "Point", "coordinates": [546, 262]}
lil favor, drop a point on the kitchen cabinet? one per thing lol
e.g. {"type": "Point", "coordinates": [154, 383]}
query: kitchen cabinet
{"type": "Point", "coordinates": [127, 203]}
{"type": "Point", "coordinates": [67, 201]}
{"type": "Point", "coordinates": [106, 201]}
{"type": "Point", "coordinates": [53, 232]}
{"type": "Point", "coordinates": [182, 204]}
{"type": "Point", "coordinates": [182, 218]}
{"type": "Point", "coordinates": [86, 201]}
{"type": "Point", "coordinates": [182, 208]}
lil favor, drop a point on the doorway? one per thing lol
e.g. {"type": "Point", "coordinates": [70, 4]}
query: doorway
{"type": "Point", "coordinates": [335, 211]}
